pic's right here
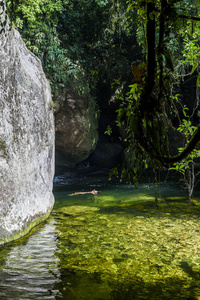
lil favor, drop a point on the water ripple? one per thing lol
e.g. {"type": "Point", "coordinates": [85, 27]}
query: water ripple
{"type": "Point", "coordinates": [30, 269]}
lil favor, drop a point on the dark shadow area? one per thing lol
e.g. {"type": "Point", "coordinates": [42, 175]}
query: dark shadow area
{"type": "Point", "coordinates": [134, 289]}
{"type": "Point", "coordinates": [176, 208]}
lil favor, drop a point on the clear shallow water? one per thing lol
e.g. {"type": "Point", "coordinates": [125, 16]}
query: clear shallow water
{"type": "Point", "coordinates": [117, 245]}
{"type": "Point", "coordinates": [29, 267]}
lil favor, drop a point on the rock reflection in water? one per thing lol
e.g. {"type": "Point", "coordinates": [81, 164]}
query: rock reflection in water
{"type": "Point", "coordinates": [29, 266]}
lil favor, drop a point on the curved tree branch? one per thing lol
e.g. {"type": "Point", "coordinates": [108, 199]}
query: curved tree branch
{"type": "Point", "coordinates": [187, 150]}
{"type": "Point", "coordinates": [154, 153]}
{"type": "Point", "coordinates": [189, 17]}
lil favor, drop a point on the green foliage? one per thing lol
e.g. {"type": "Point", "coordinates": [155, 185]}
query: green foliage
{"type": "Point", "coordinates": [74, 39]}
{"type": "Point", "coordinates": [191, 56]}
{"type": "Point", "coordinates": [3, 21]}
{"type": "Point", "coordinates": [109, 130]}
{"type": "Point", "coordinates": [95, 44]}
{"type": "Point", "coordinates": [191, 53]}
{"type": "Point", "coordinates": [146, 110]}
{"type": "Point", "coordinates": [186, 167]}
{"type": "Point", "coordinates": [53, 104]}
{"type": "Point", "coordinates": [41, 34]}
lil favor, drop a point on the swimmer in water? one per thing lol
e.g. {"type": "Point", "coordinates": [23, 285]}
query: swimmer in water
{"type": "Point", "coordinates": [94, 192]}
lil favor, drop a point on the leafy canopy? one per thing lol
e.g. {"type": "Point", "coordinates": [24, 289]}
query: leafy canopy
{"type": "Point", "coordinates": [168, 30]}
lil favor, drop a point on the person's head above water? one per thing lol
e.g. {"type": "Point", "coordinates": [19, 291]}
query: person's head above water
{"type": "Point", "coordinates": [94, 192]}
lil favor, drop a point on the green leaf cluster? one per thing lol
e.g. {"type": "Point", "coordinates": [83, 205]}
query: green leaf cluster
{"type": "Point", "coordinates": [74, 39]}
{"type": "Point", "coordinates": [168, 32]}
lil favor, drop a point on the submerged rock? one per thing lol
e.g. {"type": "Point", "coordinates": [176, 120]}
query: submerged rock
{"type": "Point", "coordinates": [26, 139]}
{"type": "Point", "coordinates": [77, 209]}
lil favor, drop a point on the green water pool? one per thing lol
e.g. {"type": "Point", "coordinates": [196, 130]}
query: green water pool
{"type": "Point", "coordinates": [117, 245]}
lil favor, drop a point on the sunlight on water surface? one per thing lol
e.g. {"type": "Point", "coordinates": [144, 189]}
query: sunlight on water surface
{"type": "Point", "coordinates": [117, 245]}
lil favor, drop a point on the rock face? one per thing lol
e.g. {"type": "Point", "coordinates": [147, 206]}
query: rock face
{"type": "Point", "coordinates": [106, 155]}
{"type": "Point", "coordinates": [26, 139]}
{"type": "Point", "coordinates": [76, 125]}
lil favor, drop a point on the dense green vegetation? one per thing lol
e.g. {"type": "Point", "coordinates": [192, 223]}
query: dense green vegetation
{"type": "Point", "coordinates": [138, 52]}
{"type": "Point", "coordinates": [171, 47]}
{"type": "Point", "coordinates": [88, 40]}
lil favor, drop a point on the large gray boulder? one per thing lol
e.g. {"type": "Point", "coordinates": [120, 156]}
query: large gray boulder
{"type": "Point", "coordinates": [76, 123]}
{"type": "Point", "coordinates": [26, 139]}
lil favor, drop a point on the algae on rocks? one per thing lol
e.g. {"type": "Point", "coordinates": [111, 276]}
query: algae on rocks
{"type": "Point", "coordinates": [26, 138]}
{"type": "Point", "coordinates": [119, 245]}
